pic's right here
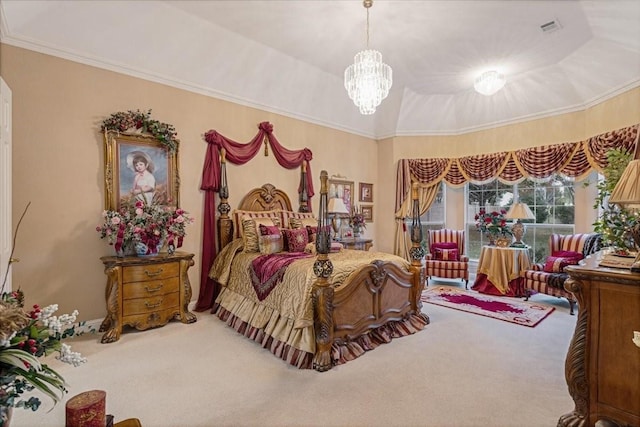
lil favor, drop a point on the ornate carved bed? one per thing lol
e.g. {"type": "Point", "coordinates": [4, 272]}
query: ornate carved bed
{"type": "Point", "coordinates": [344, 303]}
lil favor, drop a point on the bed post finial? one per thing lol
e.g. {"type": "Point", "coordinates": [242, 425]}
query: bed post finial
{"type": "Point", "coordinates": [417, 251]}
{"type": "Point", "coordinates": [322, 292]}
{"type": "Point", "coordinates": [304, 197]}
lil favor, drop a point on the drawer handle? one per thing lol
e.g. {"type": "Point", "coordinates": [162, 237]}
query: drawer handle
{"type": "Point", "coordinates": [158, 304]}
{"type": "Point", "coordinates": [150, 290]}
{"type": "Point", "coordinates": [153, 274]}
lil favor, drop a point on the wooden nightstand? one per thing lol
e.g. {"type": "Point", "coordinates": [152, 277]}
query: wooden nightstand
{"type": "Point", "coordinates": [357, 243]}
{"type": "Point", "coordinates": [146, 292]}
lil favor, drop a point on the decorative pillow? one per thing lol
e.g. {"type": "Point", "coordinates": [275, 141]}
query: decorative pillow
{"type": "Point", "coordinates": [312, 231]}
{"type": "Point", "coordinates": [336, 247]}
{"type": "Point", "coordinates": [250, 232]}
{"type": "Point", "coordinates": [269, 230]}
{"type": "Point", "coordinates": [238, 216]}
{"type": "Point", "coordinates": [302, 222]}
{"type": "Point", "coordinates": [288, 215]}
{"type": "Point", "coordinates": [568, 254]}
{"type": "Point", "coordinates": [270, 244]}
{"type": "Point", "coordinates": [295, 239]}
{"type": "Point", "coordinates": [310, 248]}
{"type": "Point", "coordinates": [447, 254]}
{"type": "Point", "coordinates": [443, 245]}
{"type": "Point", "coordinates": [555, 264]}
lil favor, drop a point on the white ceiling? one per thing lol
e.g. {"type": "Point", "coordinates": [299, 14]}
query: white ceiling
{"type": "Point", "coordinates": [289, 56]}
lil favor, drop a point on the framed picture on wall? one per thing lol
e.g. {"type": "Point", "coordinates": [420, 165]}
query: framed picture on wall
{"type": "Point", "coordinates": [367, 213]}
{"type": "Point", "coordinates": [343, 190]}
{"type": "Point", "coordinates": [366, 193]}
{"type": "Point", "coordinates": [138, 167]}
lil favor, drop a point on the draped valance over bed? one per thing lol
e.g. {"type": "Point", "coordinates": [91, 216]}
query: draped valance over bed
{"type": "Point", "coordinates": [219, 150]}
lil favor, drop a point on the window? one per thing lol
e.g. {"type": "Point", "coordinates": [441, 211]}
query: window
{"type": "Point", "coordinates": [551, 201]}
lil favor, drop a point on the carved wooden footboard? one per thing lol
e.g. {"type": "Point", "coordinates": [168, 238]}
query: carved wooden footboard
{"type": "Point", "coordinates": [373, 296]}
{"type": "Point", "coordinates": [376, 294]}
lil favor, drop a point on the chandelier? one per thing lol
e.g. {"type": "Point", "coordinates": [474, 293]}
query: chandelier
{"type": "Point", "coordinates": [489, 82]}
{"type": "Point", "coordinates": [368, 79]}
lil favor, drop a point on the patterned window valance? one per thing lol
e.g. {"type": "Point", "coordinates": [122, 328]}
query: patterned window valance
{"type": "Point", "coordinates": [574, 159]}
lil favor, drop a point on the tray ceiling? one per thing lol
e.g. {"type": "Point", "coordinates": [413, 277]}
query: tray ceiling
{"type": "Point", "coordinates": [289, 56]}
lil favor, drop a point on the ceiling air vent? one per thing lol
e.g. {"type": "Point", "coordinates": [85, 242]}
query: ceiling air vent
{"type": "Point", "coordinates": [551, 26]}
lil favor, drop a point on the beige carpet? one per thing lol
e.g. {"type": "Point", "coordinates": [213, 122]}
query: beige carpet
{"type": "Point", "coordinates": [462, 370]}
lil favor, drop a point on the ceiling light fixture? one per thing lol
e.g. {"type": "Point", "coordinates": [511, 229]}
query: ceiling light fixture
{"type": "Point", "coordinates": [489, 83]}
{"type": "Point", "coordinates": [368, 79]}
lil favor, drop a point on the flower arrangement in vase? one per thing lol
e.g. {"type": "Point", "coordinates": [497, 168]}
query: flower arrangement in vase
{"type": "Point", "coordinates": [144, 227]}
{"type": "Point", "coordinates": [357, 221]}
{"type": "Point", "coordinates": [494, 224]}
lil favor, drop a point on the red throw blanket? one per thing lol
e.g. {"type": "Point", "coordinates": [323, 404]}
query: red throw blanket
{"type": "Point", "coordinates": [268, 270]}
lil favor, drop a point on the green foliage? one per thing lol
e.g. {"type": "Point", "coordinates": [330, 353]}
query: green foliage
{"type": "Point", "coordinates": [614, 222]}
{"type": "Point", "coordinates": [123, 121]}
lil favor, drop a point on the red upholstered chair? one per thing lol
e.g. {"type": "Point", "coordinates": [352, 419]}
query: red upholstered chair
{"type": "Point", "coordinates": [439, 262]}
{"type": "Point", "coordinates": [552, 282]}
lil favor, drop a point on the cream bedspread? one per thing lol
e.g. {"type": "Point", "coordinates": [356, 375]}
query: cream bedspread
{"type": "Point", "coordinates": [287, 312]}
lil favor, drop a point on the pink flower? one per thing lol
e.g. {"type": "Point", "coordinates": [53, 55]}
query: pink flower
{"type": "Point", "coordinates": [115, 220]}
{"type": "Point", "coordinates": [180, 219]}
{"type": "Point", "coordinates": [139, 211]}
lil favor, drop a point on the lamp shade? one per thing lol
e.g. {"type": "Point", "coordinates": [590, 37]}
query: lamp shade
{"type": "Point", "coordinates": [337, 206]}
{"type": "Point", "coordinates": [627, 191]}
{"type": "Point", "coordinates": [519, 211]}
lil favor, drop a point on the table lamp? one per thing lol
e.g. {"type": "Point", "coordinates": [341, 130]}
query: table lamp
{"type": "Point", "coordinates": [627, 194]}
{"type": "Point", "coordinates": [335, 208]}
{"type": "Point", "coordinates": [519, 211]}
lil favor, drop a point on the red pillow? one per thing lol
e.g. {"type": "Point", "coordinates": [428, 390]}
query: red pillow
{"type": "Point", "coordinates": [443, 245]}
{"type": "Point", "coordinates": [447, 254]}
{"type": "Point", "coordinates": [312, 231]}
{"type": "Point", "coordinates": [568, 254]}
{"type": "Point", "coordinates": [555, 264]}
{"type": "Point", "coordinates": [269, 230]}
{"type": "Point", "coordinates": [296, 239]}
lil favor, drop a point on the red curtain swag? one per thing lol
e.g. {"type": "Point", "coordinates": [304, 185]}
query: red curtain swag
{"type": "Point", "coordinates": [238, 154]}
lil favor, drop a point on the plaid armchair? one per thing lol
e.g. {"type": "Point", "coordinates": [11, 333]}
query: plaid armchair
{"type": "Point", "coordinates": [442, 260]}
{"type": "Point", "coordinates": [552, 283]}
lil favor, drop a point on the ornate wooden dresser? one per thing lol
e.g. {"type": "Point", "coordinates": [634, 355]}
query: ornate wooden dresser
{"type": "Point", "coordinates": [603, 363]}
{"type": "Point", "coordinates": [146, 292]}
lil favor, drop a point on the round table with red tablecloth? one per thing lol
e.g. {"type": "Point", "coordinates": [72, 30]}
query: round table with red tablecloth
{"type": "Point", "coordinates": [500, 270]}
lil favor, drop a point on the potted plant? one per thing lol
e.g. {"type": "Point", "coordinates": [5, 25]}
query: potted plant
{"type": "Point", "coordinates": [614, 222]}
{"type": "Point", "coordinates": [25, 337]}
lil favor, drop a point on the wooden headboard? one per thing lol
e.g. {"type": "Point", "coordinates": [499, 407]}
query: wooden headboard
{"type": "Point", "coordinates": [265, 198]}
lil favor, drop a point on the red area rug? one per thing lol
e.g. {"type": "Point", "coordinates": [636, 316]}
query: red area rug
{"type": "Point", "coordinates": [502, 308]}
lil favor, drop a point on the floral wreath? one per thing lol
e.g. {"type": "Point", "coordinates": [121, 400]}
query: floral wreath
{"type": "Point", "coordinates": [121, 122]}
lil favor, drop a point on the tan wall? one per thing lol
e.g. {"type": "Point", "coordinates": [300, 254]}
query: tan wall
{"type": "Point", "coordinates": [58, 163]}
{"type": "Point", "coordinates": [58, 106]}
{"type": "Point", "coordinates": [618, 112]}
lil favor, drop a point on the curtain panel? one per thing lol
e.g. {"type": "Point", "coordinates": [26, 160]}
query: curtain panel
{"type": "Point", "coordinates": [573, 159]}
{"type": "Point", "coordinates": [237, 153]}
